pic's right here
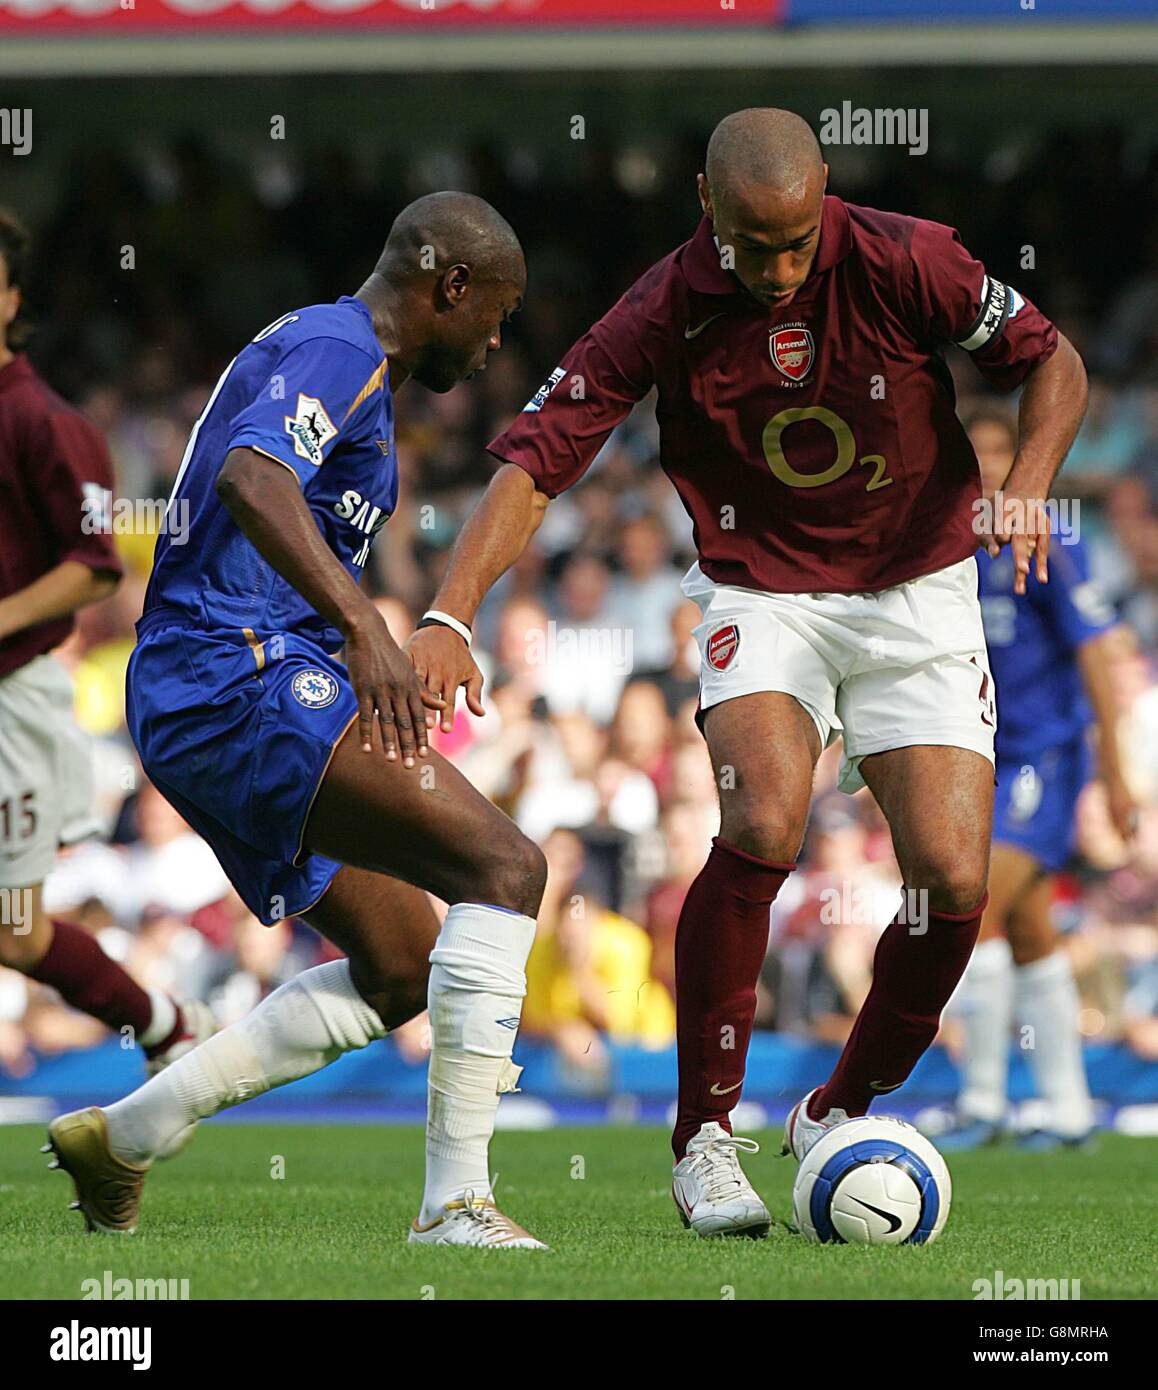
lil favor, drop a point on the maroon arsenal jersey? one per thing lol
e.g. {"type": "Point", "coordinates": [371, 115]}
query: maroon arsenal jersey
{"type": "Point", "coordinates": [815, 445]}
{"type": "Point", "coordinates": [51, 459]}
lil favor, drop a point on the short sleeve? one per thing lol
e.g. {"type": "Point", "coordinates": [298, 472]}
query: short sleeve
{"type": "Point", "coordinates": [568, 420]}
{"type": "Point", "coordinates": [1078, 609]}
{"type": "Point", "coordinates": [956, 301]}
{"type": "Point", "coordinates": [308, 403]}
{"type": "Point", "coordinates": [75, 479]}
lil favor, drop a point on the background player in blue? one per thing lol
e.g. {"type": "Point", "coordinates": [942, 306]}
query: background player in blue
{"type": "Point", "coordinates": [1047, 655]}
{"type": "Point", "coordinates": [311, 778]}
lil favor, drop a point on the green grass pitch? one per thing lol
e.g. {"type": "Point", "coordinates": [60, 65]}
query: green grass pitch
{"type": "Point", "coordinates": [334, 1226]}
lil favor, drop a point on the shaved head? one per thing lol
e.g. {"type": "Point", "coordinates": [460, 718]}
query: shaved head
{"type": "Point", "coordinates": [766, 147]}
{"type": "Point", "coordinates": [446, 229]}
{"type": "Point", "coordinates": [763, 189]}
{"type": "Point", "coordinates": [450, 275]}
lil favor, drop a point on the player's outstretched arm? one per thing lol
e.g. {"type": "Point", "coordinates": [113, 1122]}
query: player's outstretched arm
{"type": "Point", "coordinates": [495, 535]}
{"type": "Point", "coordinates": [1053, 402]}
{"type": "Point", "coordinates": [265, 499]}
{"type": "Point", "coordinates": [62, 590]}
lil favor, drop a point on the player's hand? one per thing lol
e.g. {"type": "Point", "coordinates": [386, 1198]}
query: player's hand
{"type": "Point", "coordinates": [1124, 810]}
{"type": "Point", "coordinates": [443, 662]}
{"type": "Point", "coordinates": [388, 686]}
{"type": "Point", "coordinates": [1022, 523]}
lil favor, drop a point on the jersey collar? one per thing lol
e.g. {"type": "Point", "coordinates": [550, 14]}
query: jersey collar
{"type": "Point", "coordinates": [700, 260]}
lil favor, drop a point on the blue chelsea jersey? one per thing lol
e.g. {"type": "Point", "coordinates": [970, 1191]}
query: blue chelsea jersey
{"type": "Point", "coordinates": [1033, 646]}
{"type": "Point", "coordinates": [311, 392]}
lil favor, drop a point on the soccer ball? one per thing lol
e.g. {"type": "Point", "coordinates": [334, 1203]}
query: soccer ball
{"type": "Point", "coordinates": [872, 1181]}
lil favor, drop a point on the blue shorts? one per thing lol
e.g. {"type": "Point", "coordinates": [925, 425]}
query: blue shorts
{"type": "Point", "coordinates": [1036, 801]}
{"type": "Point", "coordinates": [237, 733]}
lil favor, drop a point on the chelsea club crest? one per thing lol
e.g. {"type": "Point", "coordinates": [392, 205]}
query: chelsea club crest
{"type": "Point", "coordinates": [314, 689]}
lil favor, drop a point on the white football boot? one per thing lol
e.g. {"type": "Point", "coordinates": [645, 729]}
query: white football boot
{"type": "Point", "coordinates": [710, 1190]}
{"type": "Point", "coordinates": [801, 1131]}
{"type": "Point", "coordinates": [199, 1025]}
{"type": "Point", "coordinates": [474, 1222]}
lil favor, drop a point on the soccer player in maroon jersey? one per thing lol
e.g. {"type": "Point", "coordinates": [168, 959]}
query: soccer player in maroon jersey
{"type": "Point", "coordinates": [807, 421]}
{"type": "Point", "coordinates": [54, 467]}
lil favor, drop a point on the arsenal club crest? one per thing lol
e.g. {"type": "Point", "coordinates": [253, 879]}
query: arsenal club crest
{"type": "Point", "coordinates": [792, 351]}
{"type": "Point", "coordinates": [722, 647]}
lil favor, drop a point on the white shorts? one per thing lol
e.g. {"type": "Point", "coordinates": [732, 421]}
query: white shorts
{"type": "Point", "coordinates": [46, 772]}
{"type": "Point", "coordinates": [904, 666]}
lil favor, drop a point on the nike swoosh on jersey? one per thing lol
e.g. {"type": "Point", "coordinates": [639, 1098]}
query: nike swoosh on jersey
{"type": "Point", "coordinates": [717, 1090]}
{"type": "Point", "coordinates": [882, 1088]}
{"type": "Point", "coordinates": [690, 332]}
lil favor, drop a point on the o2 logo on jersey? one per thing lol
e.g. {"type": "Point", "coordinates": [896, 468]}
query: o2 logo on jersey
{"type": "Point", "coordinates": [722, 647]}
{"type": "Point", "coordinates": [311, 428]}
{"type": "Point", "coordinates": [314, 689]}
{"type": "Point", "coordinates": [792, 351]}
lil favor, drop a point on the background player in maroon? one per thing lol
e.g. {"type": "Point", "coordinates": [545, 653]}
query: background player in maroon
{"type": "Point", "coordinates": [807, 421]}
{"type": "Point", "coordinates": [54, 466]}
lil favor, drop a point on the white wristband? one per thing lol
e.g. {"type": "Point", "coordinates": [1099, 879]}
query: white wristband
{"type": "Point", "coordinates": [447, 621]}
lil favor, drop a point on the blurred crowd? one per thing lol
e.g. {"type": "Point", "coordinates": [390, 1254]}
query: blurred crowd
{"type": "Point", "coordinates": [589, 739]}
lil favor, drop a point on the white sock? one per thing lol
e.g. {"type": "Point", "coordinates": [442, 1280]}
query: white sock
{"type": "Point", "coordinates": [161, 1022]}
{"type": "Point", "coordinates": [1047, 1002]}
{"type": "Point", "coordinates": [984, 1002]}
{"type": "Point", "coordinates": [477, 984]}
{"type": "Point", "coordinates": [298, 1029]}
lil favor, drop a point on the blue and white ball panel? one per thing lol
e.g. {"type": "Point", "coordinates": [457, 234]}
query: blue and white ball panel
{"type": "Point", "coordinates": [920, 1190]}
{"type": "Point", "coordinates": [237, 734]}
{"type": "Point", "coordinates": [872, 1181]}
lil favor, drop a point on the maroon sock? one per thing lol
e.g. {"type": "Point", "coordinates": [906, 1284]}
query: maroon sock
{"type": "Point", "coordinates": [721, 941]}
{"type": "Point", "coordinates": [80, 972]}
{"type": "Point", "coordinates": [914, 973]}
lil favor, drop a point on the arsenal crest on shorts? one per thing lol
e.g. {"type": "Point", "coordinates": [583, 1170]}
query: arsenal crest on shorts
{"type": "Point", "coordinates": [792, 351]}
{"type": "Point", "coordinates": [722, 646]}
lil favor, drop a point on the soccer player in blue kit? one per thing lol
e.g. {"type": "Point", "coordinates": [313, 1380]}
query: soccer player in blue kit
{"type": "Point", "coordinates": [1049, 658]}
{"type": "Point", "coordinates": [310, 776]}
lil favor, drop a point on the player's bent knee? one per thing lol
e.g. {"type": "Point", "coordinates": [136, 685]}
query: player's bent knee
{"type": "Point", "coordinates": [952, 887]}
{"type": "Point", "coordinates": [515, 875]}
{"type": "Point", "coordinates": [1032, 941]}
{"type": "Point", "coordinates": [772, 837]}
